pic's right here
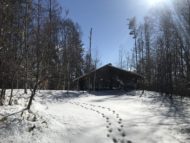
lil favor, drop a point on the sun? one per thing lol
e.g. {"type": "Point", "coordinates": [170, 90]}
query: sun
{"type": "Point", "coordinates": [155, 2]}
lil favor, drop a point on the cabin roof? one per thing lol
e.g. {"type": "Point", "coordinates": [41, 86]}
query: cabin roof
{"type": "Point", "coordinates": [111, 67]}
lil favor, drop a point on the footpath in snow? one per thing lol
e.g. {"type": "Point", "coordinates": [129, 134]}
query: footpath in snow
{"type": "Point", "coordinates": [101, 117]}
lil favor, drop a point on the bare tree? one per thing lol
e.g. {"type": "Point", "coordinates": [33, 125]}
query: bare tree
{"type": "Point", "coordinates": [133, 31]}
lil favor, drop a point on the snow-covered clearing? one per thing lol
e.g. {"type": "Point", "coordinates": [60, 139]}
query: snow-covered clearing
{"type": "Point", "coordinates": [101, 117]}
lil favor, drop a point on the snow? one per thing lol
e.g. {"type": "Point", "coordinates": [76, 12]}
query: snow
{"type": "Point", "coordinates": [97, 117]}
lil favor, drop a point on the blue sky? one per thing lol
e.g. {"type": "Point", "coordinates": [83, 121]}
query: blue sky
{"type": "Point", "coordinates": [108, 18]}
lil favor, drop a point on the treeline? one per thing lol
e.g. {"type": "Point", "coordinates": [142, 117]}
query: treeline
{"type": "Point", "coordinates": [40, 47]}
{"type": "Point", "coordinates": [162, 48]}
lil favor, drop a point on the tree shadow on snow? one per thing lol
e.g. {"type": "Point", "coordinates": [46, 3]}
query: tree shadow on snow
{"type": "Point", "coordinates": [113, 94]}
{"type": "Point", "coordinates": [174, 107]}
{"type": "Point", "coordinates": [60, 95]}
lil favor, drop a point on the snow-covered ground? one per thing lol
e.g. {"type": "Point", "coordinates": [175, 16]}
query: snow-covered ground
{"type": "Point", "coordinates": [101, 117]}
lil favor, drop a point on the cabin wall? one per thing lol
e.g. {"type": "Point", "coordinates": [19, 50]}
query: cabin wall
{"type": "Point", "coordinates": [107, 78]}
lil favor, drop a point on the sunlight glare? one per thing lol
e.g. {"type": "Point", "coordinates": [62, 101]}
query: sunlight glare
{"type": "Point", "coordinates": [155, 2]}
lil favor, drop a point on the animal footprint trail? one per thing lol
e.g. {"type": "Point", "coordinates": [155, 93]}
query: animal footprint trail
{"type": "Point", "coordinates": [115, 127]}
{"type": "Point", "coordinates": [112, 126]}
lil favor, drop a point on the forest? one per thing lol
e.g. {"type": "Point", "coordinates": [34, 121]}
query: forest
{"type": "Point", "coordinates": [40, 47]}
{"type": "Point", "coordinates": [161, 50]}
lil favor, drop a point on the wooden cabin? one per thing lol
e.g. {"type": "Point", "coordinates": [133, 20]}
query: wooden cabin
{"type": "Point", "coordinates": [107, 77]}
